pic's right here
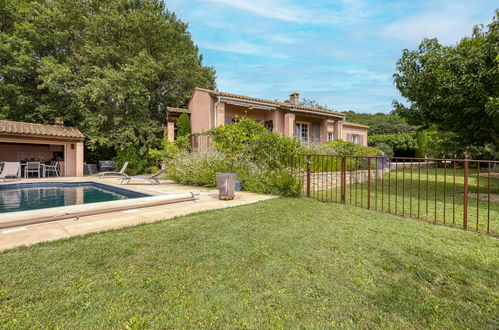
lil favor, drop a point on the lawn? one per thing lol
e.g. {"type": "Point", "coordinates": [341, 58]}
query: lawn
{"type": "Point", "coordinates": [427, 194]}
{"type": "Point", "coordinates": [279, 263]}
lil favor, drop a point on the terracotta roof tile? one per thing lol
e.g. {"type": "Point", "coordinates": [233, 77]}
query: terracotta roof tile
{"type": "Point", "coordinates": [30, 129]}
{"type": "Point", "coordinates": [178, 110]}
{"type": "Point", "coordinates": [354, 124]}
{"type": "Point", "coordinates": [280, 104]}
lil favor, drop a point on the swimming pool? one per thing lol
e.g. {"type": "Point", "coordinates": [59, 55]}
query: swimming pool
{"type": "Point", "coordinates": [41, 195]}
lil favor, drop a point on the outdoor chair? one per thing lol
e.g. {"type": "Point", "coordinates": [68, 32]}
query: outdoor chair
{"type": "Point", "coordinates": [32, 167]}
{"type": "Point", "coordinates": [120, 173]}
{"type": "Point", "coordinates": [53, 167]}
{"type": "Point", "coordinates": [11, 169]}
{"type": "Point", "coordinates": [149, 178]}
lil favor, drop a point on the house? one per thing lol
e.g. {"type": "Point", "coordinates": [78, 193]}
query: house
{"type": "Point", "coordinates": [20, 142]}
{"type": "Point", "coordinates": [209, 108]}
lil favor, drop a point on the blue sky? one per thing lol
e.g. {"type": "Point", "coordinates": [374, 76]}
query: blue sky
{"type": "Point", "coordinates": [340, 53]}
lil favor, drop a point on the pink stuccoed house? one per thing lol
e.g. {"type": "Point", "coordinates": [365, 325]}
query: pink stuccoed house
{"type": "Point", "coordinates": [208, 109]}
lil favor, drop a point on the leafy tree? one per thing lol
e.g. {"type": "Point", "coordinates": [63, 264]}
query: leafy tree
{"type": "Point", "coordinates": [402, 144]}
{"type": "Point", "coordinates": [456, 87]}
{"type": "Point", "coordinates": [108, 67]}
{"type": "Point", "coordinates": [183, 125]}
{"type": "Point", "coordinates": [380, 123]}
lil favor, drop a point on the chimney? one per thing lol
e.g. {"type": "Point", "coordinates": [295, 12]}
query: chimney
{"type": "Point", "coordinates": [58, 121]}
{"type": "Point", "coordinates": [294, 98]}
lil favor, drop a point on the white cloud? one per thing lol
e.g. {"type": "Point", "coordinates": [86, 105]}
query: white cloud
{"type": "Point", "coordinates": [384, 77]}
{"type": "Point", "coordinates": [284, 11]}
{"type": "Point", "coordinates": [448, 24]}
{"type": "Point", "coordinates": [242, 47]}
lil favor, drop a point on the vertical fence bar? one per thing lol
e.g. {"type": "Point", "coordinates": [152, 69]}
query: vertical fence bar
{"type": "Point", "coordinates": [343, 179]}
{"type": "Point", "coordinates": [435, 184]}
{"type": "Point", "coordinates": [427, 183]}
{"type": "Point", "coordinates": [361, 189]}
{"type": "Point", "coordinates": [419, 188]}
{"type": "Point", "coordinates": [410, 195]}
{"type": "Point", "coordinates": [383, 185]}
{"type": "Point", "coordinates": [403, 187]}
{"type": "Point", "coordinates": [396, 185]}
{"type": "Point", "coordinates": [465, 199]}
{"type": "Point", "coordinates": [356, 178]}
{"type": "Point", "coordinates": [389, 186]}
{"type": "Point", "coordinates": [308, 174]}
{"type": "Point", "coordinates": [488, 201]}
{"type": "Point", "coordinates": [454, 194]}
{"type": "Point", "coordinates": [350, 174]}
{"type": "Point", "coordinates": [368, 183]}
{"type": "Point", "coordinates": [376, 186]}
{"type": "Point", "coordinates": [445, 185]}
{"type": "Point", "coordinates": [477, 194]}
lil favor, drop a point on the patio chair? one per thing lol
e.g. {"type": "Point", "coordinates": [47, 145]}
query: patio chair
{"type": "Point", "coordinates": [120, 173]}
{"type": "Point", "coordinates": [149, 178]}
{"type": "Point", "coordinates": [32, 167]}
{"type": "Point", "coordinates": [11, 169]}
{"type": "Point", "coordinates": [53, 167]}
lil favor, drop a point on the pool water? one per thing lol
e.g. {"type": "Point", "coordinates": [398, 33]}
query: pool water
{"type": "Point", "coordinates": [32, 196]}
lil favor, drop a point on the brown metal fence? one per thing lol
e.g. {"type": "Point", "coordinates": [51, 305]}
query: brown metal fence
{"type": "Point", "coordinates": [200, 142]}
{"type": "Point", "coordinates": [455, 192]}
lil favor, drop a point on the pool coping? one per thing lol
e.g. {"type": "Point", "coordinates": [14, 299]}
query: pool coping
{"type": "Point", "coordinates": [41, 215]}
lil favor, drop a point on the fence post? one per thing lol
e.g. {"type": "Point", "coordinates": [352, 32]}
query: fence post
{"type": "Point", "coordinates": [309, 161]}
{"type": "Point", "coordinates": [368, 183]}
{"type": "Point", "coordinates": [465, 201]}
{"type": "Point", "coordinates": [343, 178]}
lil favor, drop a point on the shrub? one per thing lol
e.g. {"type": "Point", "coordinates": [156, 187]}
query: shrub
{"type": "Point", "coordinates": [385, 148]}
{"type": "Point", "coordinates": [421, 143]}
{"type": "Point", "coordinates": [138, 162]}
{"type": "Point", "coordinates": [249, 140]}
{"type": "Point", "coordinates": [402, 143]}
{"type": "Point", "coordinates": [183, 125]}
{"type": "Point", "coordinates": [198, 168]}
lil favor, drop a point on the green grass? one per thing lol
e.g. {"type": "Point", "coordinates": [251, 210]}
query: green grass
{"type": "Point", "coordinates": [279, 263]}
{"type": "Point", "coordinates": [394, 193]}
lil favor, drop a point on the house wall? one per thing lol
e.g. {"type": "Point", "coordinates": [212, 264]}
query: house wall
{"type": "Point", "coordinates": [73, 158]}
{"type": "Point", "coordinates": [354, 130]}
{"type": "Point", "coordinates": [201, 107]}
{"type": "Point", "coordinates": [203, 118]}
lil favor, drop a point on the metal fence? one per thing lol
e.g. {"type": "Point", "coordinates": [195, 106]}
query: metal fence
{"type": "Point", "coordinates": [455, 192]}
{"type": "Point", "coordinates": [200, 142]}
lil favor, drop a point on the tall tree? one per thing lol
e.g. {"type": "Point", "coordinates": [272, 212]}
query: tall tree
{"type": "Point", "coordinates": [456, 87]}
{"type": "Point", "coordinates": [109, 67]}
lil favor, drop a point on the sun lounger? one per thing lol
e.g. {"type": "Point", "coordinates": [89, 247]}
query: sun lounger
{"type": "Point", "coordinates": [149, 178]}
{"type": "Point", "coordinates": [11, 169]}
{"type": "Point", "coordinates": [120, 173]}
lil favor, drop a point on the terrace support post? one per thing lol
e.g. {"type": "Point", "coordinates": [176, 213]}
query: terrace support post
{"type": "Point", "coordinates": [368, 183]}
{"type": "Point", "coordinates": [309, 162]}
{"type": "Point", "coordinates": [465, 200]}
{"type": "Point", "coordinates": [343, 178]}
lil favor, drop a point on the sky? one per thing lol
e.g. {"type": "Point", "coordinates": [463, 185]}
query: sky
{"type": "Point", "coordinates": [340, 53]}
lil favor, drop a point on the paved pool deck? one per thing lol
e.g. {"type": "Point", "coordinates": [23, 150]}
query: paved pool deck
{"type": "Point", "coordinates": [49, 231]}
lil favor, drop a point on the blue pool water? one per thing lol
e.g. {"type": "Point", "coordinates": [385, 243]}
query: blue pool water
{"type": "Point", "coordinates": [32, 196]}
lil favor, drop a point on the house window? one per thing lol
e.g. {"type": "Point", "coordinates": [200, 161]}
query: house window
{"type": "Point", "coordinates": [330, 137]}
{"type": "Point", "coordinates": [355, 138]}
{"type": "Point", "coordinates": [302, 131]}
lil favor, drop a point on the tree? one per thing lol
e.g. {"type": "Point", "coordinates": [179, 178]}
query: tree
{"type": "Point", "coordinates": [183, 125]}
{"type": "Point", "coordinates": [108, 67]}
{"type": "Point", "coordinates": [380, 123]}
{"type": "Point", "coordinates": [455, 88]}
